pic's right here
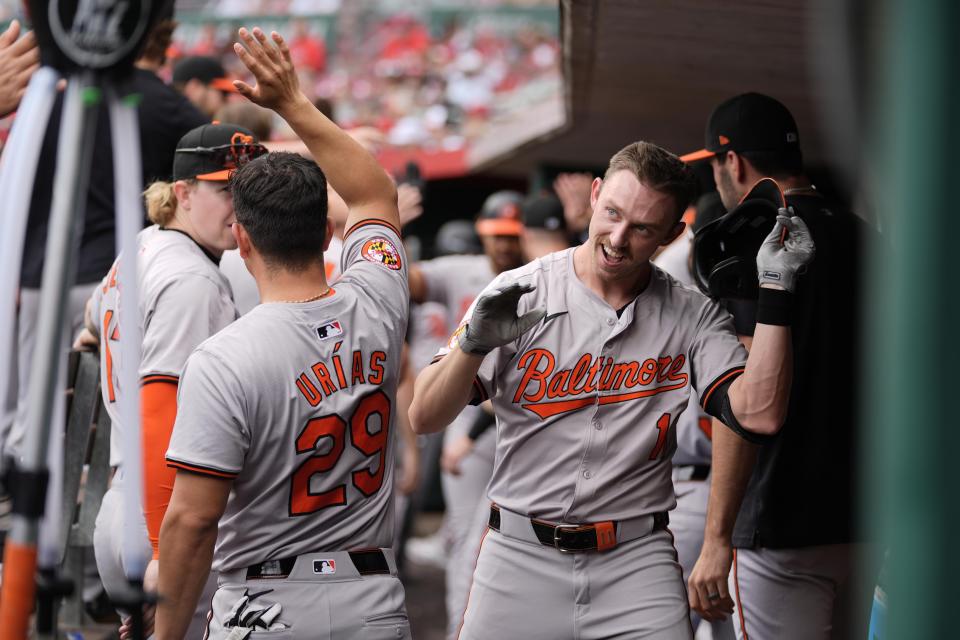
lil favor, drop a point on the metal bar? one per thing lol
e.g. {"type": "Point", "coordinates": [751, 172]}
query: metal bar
{"type": "Point", "coordinates": [66, 220]}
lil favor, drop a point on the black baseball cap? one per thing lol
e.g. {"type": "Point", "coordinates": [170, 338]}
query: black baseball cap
{"type": "Point", "coordinates": [544, 212]}
{"type": "Point", "coordinates": [212, 151]}
{"type": "Point", "coordinates": [207, 70]}
{"type": "Point", "coordinates": [748, 122]}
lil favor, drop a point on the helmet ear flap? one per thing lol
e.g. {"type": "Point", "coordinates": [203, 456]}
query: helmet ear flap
{"type": "Point", "coordinates": [725, 250]}
{"type": "Point", "coordinates": [736, 274]}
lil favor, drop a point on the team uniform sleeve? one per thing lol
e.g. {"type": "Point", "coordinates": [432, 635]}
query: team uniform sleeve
{"type": "Point", "coordinates": [436, 277]}
{"type": "Point", "coordinates": [185, 313]}
{"type": "Point", "coordinates": [716, 356]}
{"type": "Point", "coordinates": [211, 435]}
{"type": "Point", "coordinates": [374, 261]}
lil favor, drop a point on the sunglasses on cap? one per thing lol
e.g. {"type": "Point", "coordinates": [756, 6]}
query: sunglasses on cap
{"type": "Point", "coordinates": [229, 156]}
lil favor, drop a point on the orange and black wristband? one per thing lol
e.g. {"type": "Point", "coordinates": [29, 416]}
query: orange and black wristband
{"type": "Point", "coordinates": [774, 307]}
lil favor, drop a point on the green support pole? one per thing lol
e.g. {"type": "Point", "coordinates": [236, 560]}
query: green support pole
{"type": "Point", "coordinates": [911, 437]}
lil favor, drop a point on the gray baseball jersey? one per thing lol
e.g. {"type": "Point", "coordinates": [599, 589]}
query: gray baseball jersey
{"type": "Point", "coordinates": [184, 299]}
{"type": "Point", "coordinates": [694, 428]}
{"type": "Point", "coordinates": [587, 400]}
{"type": "Point", "coordinates": [296, 403]}
{"type": "Point", "coordinates": [455, 281]}
{"type": "Point", "coordinates": [244, 287]}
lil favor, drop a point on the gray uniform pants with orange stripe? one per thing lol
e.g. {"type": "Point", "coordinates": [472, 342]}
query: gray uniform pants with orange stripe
{"type": "Point", "coordinates": [526, 590]}
{"type": "Point", "coordinates": [798, 594]}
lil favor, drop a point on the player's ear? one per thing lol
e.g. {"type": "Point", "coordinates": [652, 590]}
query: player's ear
{"type": "Point", "coordinates": [243, 239]}
{"type": "Point", "coordinates": [328, 235]}
{"type": "Point", "coordinates": [674, 233]}
{"type": "Point", "coordinates": [595, 191]}
{"type": "Point", "coordinates": [182, 189]}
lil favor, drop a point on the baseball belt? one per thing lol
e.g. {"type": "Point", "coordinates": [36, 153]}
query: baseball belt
{"type": "Point", "coordinates": [366, 562]}
{"type": "Point", "coordinates": [575, 538]}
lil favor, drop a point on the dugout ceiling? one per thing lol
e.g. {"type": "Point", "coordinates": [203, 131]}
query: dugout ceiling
{"type": "Point", "coordinates": [654, 69]}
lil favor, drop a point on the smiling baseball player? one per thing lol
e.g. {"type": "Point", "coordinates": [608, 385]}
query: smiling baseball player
{"type": "Point", "coordinates": [284, 433]}
{"type": "Point", "coordinates": [589, 356]}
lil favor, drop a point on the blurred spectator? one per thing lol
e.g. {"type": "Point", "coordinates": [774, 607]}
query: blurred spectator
{"type": "Point", "coordinates": [544, 228]}
{"type": "Point", "coordinates": [308, 52]}
{"type": "Point", "coordinates": [204, 82]}
{"type": "Point", "coordinates": [432, 90]}
{"type": "Point", "coordinates": [573, 189]}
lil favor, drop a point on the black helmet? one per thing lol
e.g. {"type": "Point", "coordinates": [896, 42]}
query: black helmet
{"type": "Point", "coordinates": [457, 237]}
{"type": "Point", "coordinates": [725, 250]}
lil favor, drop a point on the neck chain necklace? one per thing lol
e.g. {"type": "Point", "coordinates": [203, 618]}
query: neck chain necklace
{"type": "Point", "coordinates": [311, 299]}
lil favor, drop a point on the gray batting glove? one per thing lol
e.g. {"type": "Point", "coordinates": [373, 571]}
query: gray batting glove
{"type": "Point", "coordinates": [494, 321]}
{"type": "Point", "coordinates": [779, 262]}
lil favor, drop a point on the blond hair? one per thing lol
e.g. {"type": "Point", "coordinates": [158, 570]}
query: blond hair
{"type": "Point", "coordinates": [161, 202]}
{"type": "Point", "coordinates": [659, 170]}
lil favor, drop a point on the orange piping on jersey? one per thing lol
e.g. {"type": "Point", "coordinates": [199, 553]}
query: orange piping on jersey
{"type": "Point", "coordinates": [206, 471]}
{"type": "Point", "coordinates": [482, 394]}
{"type": "Point", "coordinates": [476, 560]}
{"type": "Point", "coordinates": [368, 222]}
{"type": "Point", "coordinates": [550, 409]}
{"type": "Point", "coordinates": [736, 586]}
{"type": "Point", "coordinates": [158, 378]}
{"type": "Point", "coordinates": [108, 357]}
{"type": "Point", "coordinates": [706, 425]}
{"type": "Point", "coordinates": [158, 410]}
{"type": "Point", "coordinates": [723, 378]}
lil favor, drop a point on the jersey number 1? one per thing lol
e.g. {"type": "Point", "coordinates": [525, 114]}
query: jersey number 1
{"type": "Point", "coordinates": [302, 500]}
{"type": "Point", "coordinates": [663, 426]}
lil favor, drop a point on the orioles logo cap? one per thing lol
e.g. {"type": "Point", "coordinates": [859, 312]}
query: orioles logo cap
{"type": "Point", "coordinates": [748, 122]}
{"type": "Point", "coordinates": [212, 151]}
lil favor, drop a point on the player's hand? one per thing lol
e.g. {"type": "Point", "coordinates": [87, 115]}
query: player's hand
{"type": "Point", "coordinates": [409, 203]}
{"type": "Point", "coordinates": [494, 321]}
{"type": "Point", "coordinates": [708, 592]}
{"type": "Point", "coordinates": [86, 341]}
{"type": "Point", "coordinates": [150, 579]}
{"type": "Point", "coordinates": [269, 61]}
{"type": "Point", "coordinates": [409, 477]}
{"type": "Point", "coordinates": [18, 60]}
{"type": "Point", "coordinates": [573, 189]}
{"type": "Point", "coordinates": [454, 454]}
{"type": "Point", "coordinates": [782, 257]}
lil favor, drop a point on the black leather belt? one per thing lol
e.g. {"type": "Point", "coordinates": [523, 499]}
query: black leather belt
{"type": "Point", "coordinates": [600, 536]}
{"type": "Point", "coordinates": [367, 562]}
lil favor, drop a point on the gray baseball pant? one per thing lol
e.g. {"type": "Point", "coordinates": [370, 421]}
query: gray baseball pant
{"type": "Point", "coordinates": [531, 591]}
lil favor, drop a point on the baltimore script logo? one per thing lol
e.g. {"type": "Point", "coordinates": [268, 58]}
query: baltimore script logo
{"type": "Point", "coordinates": [546, 392]}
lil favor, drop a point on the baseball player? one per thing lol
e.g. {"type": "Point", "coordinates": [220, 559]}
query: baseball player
{"type": "Point", "coordinates": [691, 460]}
{"type": "Point", "coordinates": [284, 430]}
{"type": "Point", "coordinates": [455, 281]}
{"type": "Point", "coordinates": [787, 508]}
{"type": "Point", "coordinates": [185, 299]}
{"type": "Point", "coordinates": [589, 355]}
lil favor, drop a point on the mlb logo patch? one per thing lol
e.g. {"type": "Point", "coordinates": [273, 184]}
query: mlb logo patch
{"type": "Point", "coordinates": [332, 329]}
{"type": "Point", "coordinates": [325, 566]}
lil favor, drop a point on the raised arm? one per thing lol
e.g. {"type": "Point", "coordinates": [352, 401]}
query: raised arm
{"type": "Point", "coordinates": [759, 398]}
{"type": "Point", "coordinates": [350, 169]}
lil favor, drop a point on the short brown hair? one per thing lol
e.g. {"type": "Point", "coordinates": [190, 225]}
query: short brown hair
{"type": "Point", "coordinates": [658, 169]}
{"type": "Point", "coordinates": [158, 41]}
